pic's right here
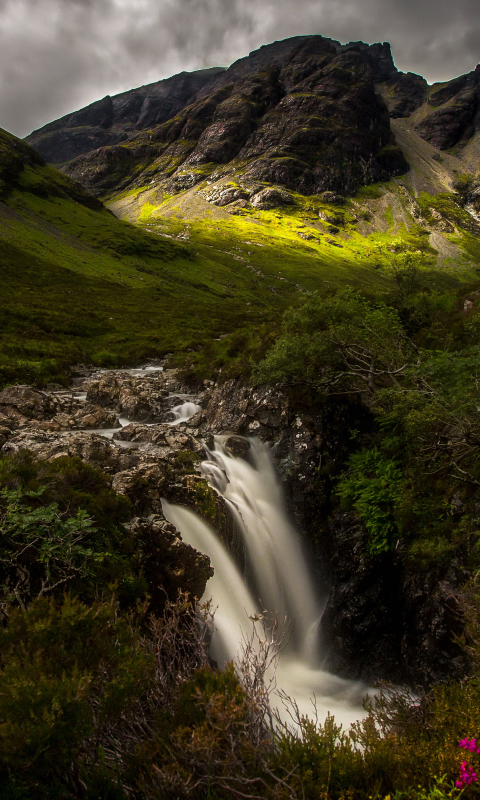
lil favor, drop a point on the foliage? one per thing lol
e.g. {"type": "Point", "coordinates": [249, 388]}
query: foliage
{"type": "Point", "coordinates": [371, 488]}
{"type": "Point", "coordinates": [43, 537]}
{"type": "Point", "coordinates": [414, 477]}
{"type": "Point", "coordinates": [341, 343]}
{"type": "Point", "coordinates": [60, 527]}
{"type": "Point", "coordinates": [67, 673]}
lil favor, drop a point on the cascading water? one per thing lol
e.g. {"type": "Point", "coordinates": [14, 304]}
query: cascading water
{"type": "Point", "coordinates": [184, 412]}
{"type": "Point", "coordinates": [278, 575]}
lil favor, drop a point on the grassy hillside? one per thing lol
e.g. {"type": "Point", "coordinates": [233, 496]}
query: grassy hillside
{"type": "Point", "coordinates": [81, 285]}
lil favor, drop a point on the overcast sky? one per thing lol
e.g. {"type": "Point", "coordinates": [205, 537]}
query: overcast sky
{"type": "Point", "coordinates": [59, 55]}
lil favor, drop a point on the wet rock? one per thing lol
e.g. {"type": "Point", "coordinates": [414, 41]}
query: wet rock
{"type": "Point", "coordinates": [237, 446]}
{"type": "Point", "coordinates": [20, 403]}
{"type": "Point", "coordinates": [170, 437]}
{"type": "Point", "coordinates": [95, 417]}
{"type": "Point", "coordinates": [145, 398]}
{"type": "Point", "coordinates": [87, 416]}
{"type": "Point", "coordinates": [144, 485]}
{"type": "Point", "coordinates": [242, 410]}
{"type": "Point", "coordinates": [378, 617]}
{"type": "Point", "coordinates": [169, 564]}
{"type": "Point", "coordinates": [91, 448]}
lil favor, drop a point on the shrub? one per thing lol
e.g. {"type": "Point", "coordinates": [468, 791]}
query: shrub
{"type": "Point", "coordinates": [372, 487]}
{"type": "Point", "coordinates": [68, 673]}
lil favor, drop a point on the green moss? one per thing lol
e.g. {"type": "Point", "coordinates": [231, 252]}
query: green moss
{"type": "Point", "coordinates": [205, 500]}
{"type": "Point", "coordinates": [389, 217]}
{"type": "Point", "coordinates": [373, 192]}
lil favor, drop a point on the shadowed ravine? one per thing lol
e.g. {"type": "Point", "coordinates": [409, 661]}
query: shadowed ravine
{"type": "Point", "coordinates": [278, 581]}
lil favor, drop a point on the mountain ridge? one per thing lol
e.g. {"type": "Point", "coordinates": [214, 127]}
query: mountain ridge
{"type": "Point", "coordinates": [296, 112]}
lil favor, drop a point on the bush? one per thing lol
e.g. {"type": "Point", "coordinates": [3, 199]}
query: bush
{"type": "Point", "coordinates": [68, 673]}
{"type": "Point", "coordinates": [372, 487]}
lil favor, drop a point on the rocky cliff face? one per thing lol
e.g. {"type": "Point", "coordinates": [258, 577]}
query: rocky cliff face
{"type": "Point", "coordinates": [111, 120]}
{"type": "Point", "coordinates": [452, 116]}
{"type": "Point", "coordinates": [381, 618]}
{"type": "Point", "coordinates": [303, 113]}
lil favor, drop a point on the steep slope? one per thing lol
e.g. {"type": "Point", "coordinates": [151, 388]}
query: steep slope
{"type": "Point", "coordinates": [302, 113]}
{"type": "Point", "coordinates": [80, 285]}
{"type": "Point", "coordinates": [111, 120]}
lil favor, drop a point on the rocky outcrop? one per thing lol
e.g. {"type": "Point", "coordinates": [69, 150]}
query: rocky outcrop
{"type": "Point", "coordinates": [143, 398]}
{"type": "Point", "coordinates": [169, 564]}
{"type": "Point", "coordinates": [271, 198]}
{"type": "Point", "coordinates": [378, 613]}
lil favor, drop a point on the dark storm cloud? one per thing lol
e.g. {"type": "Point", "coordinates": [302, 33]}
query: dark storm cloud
{"type": "Point", "coordinates": [58, 55]}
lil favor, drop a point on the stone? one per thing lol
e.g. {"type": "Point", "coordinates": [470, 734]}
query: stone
{"type": "Point", "coordinates": [271, 198]}
{"type": "Point", "coordinates": [170, 565]}
{"type": "Point", "coordinates": [24, 402]}
{"type": "Point", "coordinates": [237, 446]}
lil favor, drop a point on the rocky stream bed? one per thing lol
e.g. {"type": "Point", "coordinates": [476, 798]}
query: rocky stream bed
{"type": "Point", "coordinates": [380, 621]}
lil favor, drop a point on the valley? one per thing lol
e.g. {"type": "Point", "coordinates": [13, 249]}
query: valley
{"type": "Point", "coordinates": [239, 360]}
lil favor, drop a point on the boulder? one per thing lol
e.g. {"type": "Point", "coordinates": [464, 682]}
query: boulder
{"type": "Point", "coordinates": [331, 197]}
{"type": "Point", "coordinates": [20, 403]}
{"type": "Point", "coordinates": [271, 198]}
{"type": "Point", "coordinates": [169, 564]}
{"type": "Point", "coordinates": [237, 446]}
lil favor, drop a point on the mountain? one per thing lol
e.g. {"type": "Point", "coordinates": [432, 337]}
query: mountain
{"type": "Point", "coordinates": [304, 166]}
{"type": "Point", "coordinates": [306, 113]}
{"type": "Point", "coordinates": [283, 146]}
{"type": "Point", "coordinates": [302, 113]}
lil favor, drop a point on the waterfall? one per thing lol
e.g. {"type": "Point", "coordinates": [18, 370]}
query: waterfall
{"type": "Point", "coordinates": [277, 579]}
{"type": "Point", "coordinates": [183, 412]}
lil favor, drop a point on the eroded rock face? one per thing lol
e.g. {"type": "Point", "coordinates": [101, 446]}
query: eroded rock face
{"type": "Point", "coordinates": [377, 614]}
{"type": "Point", "coordinates": [169, 564]}
{"type": "Point", "coordinates": [454, 116]}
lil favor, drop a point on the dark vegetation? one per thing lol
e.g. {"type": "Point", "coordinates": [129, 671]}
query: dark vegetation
{"type": "Point", "coordinates": [102, 696]}
{"type": "Point", "coordinates": [413, 361]}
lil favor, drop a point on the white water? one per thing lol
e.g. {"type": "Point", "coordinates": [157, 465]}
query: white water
{"type": "Point", "coordinates": [279, 578]}
{"type": "Point", "coordinates": [109, 433]}
{"type": "Point", "coordinates": [183, 412]}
